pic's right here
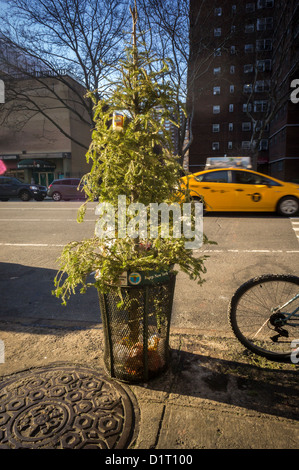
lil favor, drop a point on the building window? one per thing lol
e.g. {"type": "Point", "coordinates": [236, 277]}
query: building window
{"type": "Point", "coordinates": [215, 146]}
{"type": "Point", "coordinates": [217, 32]}
{"type": "Point", "coordinates": [262, 85]}
{"type": "Point", "coordinates": [234, 9]}
{"type": "Point", "coordinates": [216, 109]}
{"type": "Point", "coordinates": [247, 107]}
{"type": "Point", "coordinates": [260, 106]}
{"type": "Point", "coordinates": [231, 108]}
{"type": "Point", "coordinates": [248, 68]}
{"type": "Point", "coordinates": [263, 144]}
{"type": "Point", "coordinates": [246, 126]}
{"type": "Point", "coordinates": [263, 24]}
{"type": "Point", "coordinates": [216, 127]}
{"type": "Point", "coordinates": [277, 166]}
{"type": "Point", "coordinates": [248, 48]}
{"type": "Point", "coordinates": [232, 88]}
{"type": "Point", "coordinates": [260, 124]}
{"type": "Point", "coordinates": [233, 28]}
{"type": "Point", "coordinates": [217, 70]}
{"type": "Point", "coordinates": [229, 145]}
{"type": "Point", "coordinates": [232, 69]}
{"type": "Point", "coordinates": [216, 90]}
{"type": "Point", "coordinates": [247, 88]}
{"type": "Point", "coordinates": [218, 11]}
{"type": "Point", "coordinates": [249, 28]}
{"type": "Point", "coordinates": [217, 52]}
{"type": "Point", "coordinates": [232, 49]}
{"type": "Point", "coordinates": [264, 65]}
{"type": "Point", "coordinates": [250, 7]}
{"type": "Point", "coordinates": [230, 126]}
{"type": "Point", "coordinates": [263, 45]}
{"type": "Point", "coordinates": [246, 144]}
{"type": "Point", "coordinates": [265, 4]}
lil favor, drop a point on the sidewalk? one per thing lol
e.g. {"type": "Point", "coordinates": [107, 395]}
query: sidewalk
{"type": "Point", "coordinates": [213, 396]}
{"type": "Point", "coordinates": [210, 402]}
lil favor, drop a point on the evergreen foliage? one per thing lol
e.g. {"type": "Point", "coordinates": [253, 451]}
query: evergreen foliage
{"type": "Point", "coordinates": [136, 162]}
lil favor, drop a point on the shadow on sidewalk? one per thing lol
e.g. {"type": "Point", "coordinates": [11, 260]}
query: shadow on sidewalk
{"type": "Point", "coordinates": [192, 376]}
{"type": "Point", "coordinates": [26, 297]}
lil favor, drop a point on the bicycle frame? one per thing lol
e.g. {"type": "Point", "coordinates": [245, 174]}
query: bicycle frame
{"type": "Point", "coordinates": [288, 315]}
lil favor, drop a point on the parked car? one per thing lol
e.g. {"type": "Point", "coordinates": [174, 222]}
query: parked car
{"type": "Point", "coordinates": [11, 187]}
{"type": "Point", "coordinates": [234, 189]}
{"type": "Point", "coordinates": [66, 189]}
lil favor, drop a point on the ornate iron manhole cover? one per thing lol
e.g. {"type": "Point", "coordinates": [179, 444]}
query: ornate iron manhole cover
{"type": "Point", "coordinates": [65, 407]}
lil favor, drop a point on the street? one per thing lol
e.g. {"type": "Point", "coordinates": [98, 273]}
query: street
{"type": "Point", "coordinates": [33, 234]}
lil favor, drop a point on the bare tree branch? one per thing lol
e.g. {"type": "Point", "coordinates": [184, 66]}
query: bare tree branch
{"type": "Point", "coordinates": [65, 39]}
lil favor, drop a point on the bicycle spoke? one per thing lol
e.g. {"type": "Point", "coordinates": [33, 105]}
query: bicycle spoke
{"type": "Point", "coordinates": [260, 329]}
{"type": "Point", "coordinates": [257, 318]}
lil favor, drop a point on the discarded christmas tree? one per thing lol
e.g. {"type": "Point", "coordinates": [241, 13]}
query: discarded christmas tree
{"type": "Point", "coordinates": [133, 168]}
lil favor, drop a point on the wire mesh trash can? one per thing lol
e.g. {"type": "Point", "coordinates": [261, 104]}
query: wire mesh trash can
{"type": "Point", "coordinates": [136, 323]}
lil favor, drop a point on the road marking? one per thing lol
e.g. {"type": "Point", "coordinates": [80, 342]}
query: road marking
{"type": "Point", "coordinates": [45, 220]}
{"type": "Point", "coordinates": [29, 244]}
{"type": "Point", "coordinates": [203, 251]}
{"type": "Point", "coordinates": [248, 251]}
{"type": "Point", "coordinates": [295, 225]}
{"type": "Point", "coordinates": [44, 208]}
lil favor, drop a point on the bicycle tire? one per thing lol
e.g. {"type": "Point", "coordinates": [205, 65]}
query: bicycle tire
{"type": "Point", "coordinates": [251, 305]}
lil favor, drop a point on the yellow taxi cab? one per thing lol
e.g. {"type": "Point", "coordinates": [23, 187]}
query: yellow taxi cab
{"type": "Point", "coordinates": [231, 189]}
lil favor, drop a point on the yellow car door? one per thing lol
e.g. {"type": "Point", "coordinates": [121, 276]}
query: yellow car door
{"type": "Point", "coordinates": [215, 188]}
{"type": "Point", "coordinates": [252, 191]}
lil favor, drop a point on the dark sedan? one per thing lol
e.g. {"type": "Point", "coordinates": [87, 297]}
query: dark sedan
{"type": "Point", "coordinates": [11, 187]}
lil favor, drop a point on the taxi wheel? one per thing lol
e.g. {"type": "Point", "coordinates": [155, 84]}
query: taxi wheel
{"type": "Point", "coordinates": [288, 206]}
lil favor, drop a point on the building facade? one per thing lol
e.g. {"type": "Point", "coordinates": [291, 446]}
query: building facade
{"type": "Point", "coordinates": [241, 100]}
{"type": "Point", "coordinates": [43, 137]}
{"type": "Point", "coordinates": [284, 127]}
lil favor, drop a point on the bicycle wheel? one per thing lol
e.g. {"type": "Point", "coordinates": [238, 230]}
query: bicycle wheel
{"type": "Point", "coordinates": [258, 322]}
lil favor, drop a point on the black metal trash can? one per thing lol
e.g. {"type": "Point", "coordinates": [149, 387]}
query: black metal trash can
{"type": "Point", "coordinates": [136, 326]}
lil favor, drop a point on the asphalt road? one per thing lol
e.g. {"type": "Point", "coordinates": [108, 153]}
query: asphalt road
{"type": "Point", "coordinates": [33, 234]}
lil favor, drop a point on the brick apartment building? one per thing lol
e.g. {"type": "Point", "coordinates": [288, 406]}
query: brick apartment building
{"type": "Point", "coordinates": [247, 55]}
{"type": "Point", "coordinates": [284, 127]}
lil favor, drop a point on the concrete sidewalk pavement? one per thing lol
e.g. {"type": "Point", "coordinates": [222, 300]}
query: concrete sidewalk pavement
{"type": "Point", "coordinates": [209, 402]}
{"type": "Point", "coordinates": [213, 396]}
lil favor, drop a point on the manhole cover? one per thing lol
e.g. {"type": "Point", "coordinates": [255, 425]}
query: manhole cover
{"type": "Point", "coordinates": [65, 407]}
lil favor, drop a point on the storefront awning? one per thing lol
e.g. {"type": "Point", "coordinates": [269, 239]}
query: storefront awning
{"type": "Point", "coordinates": [8, 157]}
{"type": "Point", "coordinates": [36, 164]}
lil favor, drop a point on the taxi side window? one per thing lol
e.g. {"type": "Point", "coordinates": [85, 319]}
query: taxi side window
{"type": "Point", "coordinates": [214, 177]}
{"type": "Point", "coordinates": [242, 177]}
